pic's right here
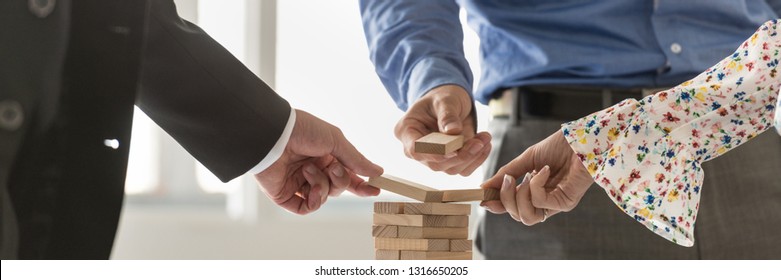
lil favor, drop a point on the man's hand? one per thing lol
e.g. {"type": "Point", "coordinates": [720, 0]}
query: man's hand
{"type": "Point", "coordinates": [445, 109]}
{"type": "Point", "coordinates": [566, 181]}
{"type": "Point", "coordinates": [318, 161]}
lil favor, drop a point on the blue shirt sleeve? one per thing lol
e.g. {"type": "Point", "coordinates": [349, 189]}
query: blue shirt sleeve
{"type": "Point", "coordinates": [415, 46]}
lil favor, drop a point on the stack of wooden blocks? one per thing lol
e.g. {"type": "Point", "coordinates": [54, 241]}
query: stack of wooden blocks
{"type": "Point", "coordinates": [421, 231]}
{"type": "Point", "coordinates": [431, 229]}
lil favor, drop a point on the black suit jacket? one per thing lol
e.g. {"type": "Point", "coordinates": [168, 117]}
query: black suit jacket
{"type": "Point", "coordinates": [73, 73]}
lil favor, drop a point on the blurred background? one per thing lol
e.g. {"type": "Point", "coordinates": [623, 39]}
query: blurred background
{"type": "Point", "coordinates": [314, 54]}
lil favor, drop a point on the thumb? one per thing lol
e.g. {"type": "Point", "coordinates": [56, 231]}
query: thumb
{"type": "Point", "coordinates": [348, 155]}
{"type": "Point", "coordinates": [448, 118]}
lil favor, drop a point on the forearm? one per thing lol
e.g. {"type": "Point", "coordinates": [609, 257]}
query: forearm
{"type": "Point", "coordinates": [647, 153]}
{"type": "Point", "coordinates": [415, 46]}
{"type": "Point", "coordinates": [217, 109]}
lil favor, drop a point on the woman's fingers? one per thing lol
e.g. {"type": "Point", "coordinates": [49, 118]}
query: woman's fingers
{"type": "Point", "coordinates": [507, 196]}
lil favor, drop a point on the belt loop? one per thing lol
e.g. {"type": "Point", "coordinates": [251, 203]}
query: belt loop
{"type": "Point", "coordinates": [607, 98]}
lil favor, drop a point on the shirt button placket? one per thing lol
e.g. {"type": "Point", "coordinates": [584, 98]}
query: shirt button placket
{"type": "Point", "coordinates": [676, 48]}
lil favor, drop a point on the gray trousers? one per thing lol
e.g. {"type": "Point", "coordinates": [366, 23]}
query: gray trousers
{"type": "Point", "coordinates": [739, 216]}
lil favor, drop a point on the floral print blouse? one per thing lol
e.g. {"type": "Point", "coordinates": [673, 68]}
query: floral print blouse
{"type": "Point", "coordinates": [647, 153]}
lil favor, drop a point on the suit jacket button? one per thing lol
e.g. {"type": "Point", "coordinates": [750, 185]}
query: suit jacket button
{"type": "Point", "coordinates": [41, 8]}
{"type": "Point", "coordinates": [11, 115]}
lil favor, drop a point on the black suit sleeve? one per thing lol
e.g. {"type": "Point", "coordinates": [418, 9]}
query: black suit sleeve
{"type": "Point", "coordinates": [215, 107]}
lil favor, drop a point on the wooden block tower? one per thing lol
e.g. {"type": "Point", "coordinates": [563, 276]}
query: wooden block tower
{"type": "Point", "coordinates": [431, 229]}
{"type": "Point", "coordinates": [421, 231]}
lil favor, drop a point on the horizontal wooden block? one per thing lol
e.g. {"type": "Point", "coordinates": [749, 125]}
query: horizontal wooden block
{"type": "Point", "coordinates": [385, 231]}
{"type": "Point", "coordinates": [389, 207]}
{"type": "Point", "coordinates": [422, 208]}
{"type": "Point", "coordinates": [421, 220]}
{"type": "Point", "coordinates": [423, 255]}
{"type": "Point", "coordinates": [460, 245]}
{"type": "Point", "coordinates": [470, 195]}
{"type": "Point", "coordinates": [411, 244]}
{"type": "Point", "coordinates": [430, 208]}
{"type": "Point", "coordinates": [432, 232]}
{"type": "Point", "coordinates": [387, 255]}
{"type": "Point", "coordinates": [439, 143]}
{"type": "Point", "coordinates": [406, 188]}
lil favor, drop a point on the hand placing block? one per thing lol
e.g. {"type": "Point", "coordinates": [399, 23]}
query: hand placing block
{"type": "Point", "coordinates": [439, 143]}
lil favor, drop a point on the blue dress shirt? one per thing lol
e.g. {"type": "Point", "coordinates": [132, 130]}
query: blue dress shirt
{"type": "Point", "coordinates": [417, 45]}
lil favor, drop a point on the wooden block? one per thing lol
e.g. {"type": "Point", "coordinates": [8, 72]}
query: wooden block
{"type": "Point", "coordinates": [460, 245]}
{"type": "Point", "coordinates": [387, 254]}
{"type": "Point", "coordinates": [412, 244]}
{"type": "Point", "coordinates": [470, 195]}
{"type": "Point", "coordinates": [406, 188]}
{"type": "Point", "coordinates": [433, 232]}
{"type": "Point", "coordinates": [439, 143]}
{"type": "Point", "coordinates": [421, 220]}
{"type": "Point", "coordinates": [389, 207]}
{"type": "Point", "coordinates": [385, 231]}
{"type": "Point", "coordinates": [423, 255]}
{"type": "Point", "coordinates": [426, 208]}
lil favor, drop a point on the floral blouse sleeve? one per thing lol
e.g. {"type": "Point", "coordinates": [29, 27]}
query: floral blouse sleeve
{"type": "Point", "coordinates": [647, 153]}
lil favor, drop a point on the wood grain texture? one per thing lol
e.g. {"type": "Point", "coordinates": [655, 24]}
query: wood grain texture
{"type": "Point", "coordinates": [432, 232]}
{"type": "Point", "coordinates": [423, 255]}
{"type": "Point", "coordinates": [389, 207]}
{"type": "Point", "coordinates": [428, 208]}
{"type": "Point", "coordinates": [406, 188]}
{"type": "Point", "coordinates": [421, 220]}
{"type": "Point", "coordinates": [460, 245]}
{"type": "Point", "coordinates": [387, 255]}
{"type": "Point", "coordinates": [385, 231]}
{"type": "Point", "coordinates": [439, 143]}
{"type": "Point", "coordinates": [411, 244]}
{"type": "Point", "coordinates": [470, 195]}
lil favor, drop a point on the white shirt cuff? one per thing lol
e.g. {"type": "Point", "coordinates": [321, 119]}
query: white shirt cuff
{"type": "Point", "coordinates": [279, 148]}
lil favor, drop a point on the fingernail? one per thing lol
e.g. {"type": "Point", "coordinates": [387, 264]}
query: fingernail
{"type": "Point", "coordinates": [323, 195]}
{"type": "Point", "coordinates": [526, 178]}
{"type": "Point", "coordinates": [451, 155]}
{"type": "Point", "coordinates": [310, 198]}
{"type": "Point", "coordinates": [476, 148]}
{"type": "Point", "coordinates": [508, 180]}
{"type": "Point", "coordinates": [310, 169]}
{"type": "Point", "coordinates": [338, 171]}
{"type": "Point", "coordinates": [451, 126]}
{"type": "Point", "coordinates": [546, 168]}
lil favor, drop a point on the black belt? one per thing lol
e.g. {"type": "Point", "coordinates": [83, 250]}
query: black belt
{"type": "Point", "coordinates": [559, 103]}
